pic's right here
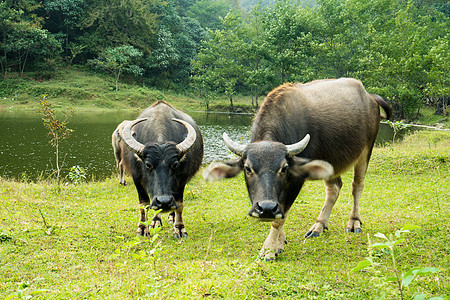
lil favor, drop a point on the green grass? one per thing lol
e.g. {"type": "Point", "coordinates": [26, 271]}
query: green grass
{"type": "Point", "coordinates": [71, 257]}
{"type": "Point", "coordinates": [87, 90]}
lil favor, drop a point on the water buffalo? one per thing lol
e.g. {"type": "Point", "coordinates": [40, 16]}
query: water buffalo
{"type": "Point", "coordinates": [303, 132]}
{"type": "Point", "coordinates": [116, 140]}
{"type": "Point", "coordinates": [164, 149]}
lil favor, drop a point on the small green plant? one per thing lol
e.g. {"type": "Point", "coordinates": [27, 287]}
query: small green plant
{"type": "Point", "coordinates": [57, 129]}
{"type": "Point", "coordinates": [4, 236]}
{"type": "Point", "coordinates": [47, 228]}
{"type": "Point", "coordinates": [139, 248]}
{"type": "Point", "coordinates": [77, 174]}
{"type": "Point", "coordinates": [388, 247]}
{"type": "Point", "coordinates": [23, 290]}
{"type": "Point", "coordinates": [397, 126]}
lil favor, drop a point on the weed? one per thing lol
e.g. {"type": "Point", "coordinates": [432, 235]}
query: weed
{"type": "Point", "coordinates": [397, 126]}
{"type": "Point", "coordinates": [388, 247]}
{"type": "Point", "coordinates": [23, 290]}
{"type": "Point", "coordinates": [4, 236]}
{"type": "Point", "coordinates": [77, 174]}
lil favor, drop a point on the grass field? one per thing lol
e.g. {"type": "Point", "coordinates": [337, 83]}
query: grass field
{"type": "Point", "coordinates": [87, 90]}
{"type": "Point", "coordinates": [80, 243]}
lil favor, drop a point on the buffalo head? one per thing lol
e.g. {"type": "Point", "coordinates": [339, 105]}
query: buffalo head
{"type": "Point", "coordinates": [162, 164]}
{"type": "Point", "coordinates": [271, 169]}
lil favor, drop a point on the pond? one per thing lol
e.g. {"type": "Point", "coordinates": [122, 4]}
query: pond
{"type": "Point", "coordinates": [25, 152]}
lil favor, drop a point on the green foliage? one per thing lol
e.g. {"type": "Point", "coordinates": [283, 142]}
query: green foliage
{"type": "Point", "coordinates": [398, 49]}
{"type": "Point", "coordinates": [57, 129]}
{"type": "Point", "coordinates": [77, 174]}
{"type": "Point", "coordinates": [397, 126]}
{"type": "Point", "coordinates": [4, 236]}
{"type": "Point", "coordinates": [117, 61]}
{"type": "Point", "coordinates": [389, 247]}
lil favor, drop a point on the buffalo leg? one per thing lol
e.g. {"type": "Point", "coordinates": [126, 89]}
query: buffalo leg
{"type": "Point", "coordinates": [180, 231]}
{"type": "Point", "coordinates": [274, 243]}
{"type": "Point", "coordinates": [144, 203]}
{"type": "Point", "coordinates": [354, 223]}
{"type": "Point", "coordinates": [121, 174]}
{"type": "Point", "coordinates": [332, 188]}
{"type": "Point", "coordinates": [171, 217]}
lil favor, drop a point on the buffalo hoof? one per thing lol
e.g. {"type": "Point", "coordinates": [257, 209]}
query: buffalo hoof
{"type": "Point", "coordinates": [183, 235]}
{"type": "Point", "coordinates": [180, 233]}
{"type": "Point", "coordinates": [357, 230]}
{"type": "Point", "coordinates": [142, 231]}
{"type": "Point", "coordinates": [156, 222]}
{"type": "Point", "coordinates": [311, 234]}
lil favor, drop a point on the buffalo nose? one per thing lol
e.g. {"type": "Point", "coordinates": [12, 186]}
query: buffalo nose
{"type": "Point", "coordinates": [164, 203]}
{"type": "Point", "coordinates": [266, 209]}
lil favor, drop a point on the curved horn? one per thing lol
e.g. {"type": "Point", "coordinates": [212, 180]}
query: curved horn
{"type": "Point", "coordinates": [297, 148]}
{"type": "Point", "coordinates": [234, 147]}
{"type": "Point", "coordinates": [128, 138]}
{"type": "Point", "coordinates": [189, 141]}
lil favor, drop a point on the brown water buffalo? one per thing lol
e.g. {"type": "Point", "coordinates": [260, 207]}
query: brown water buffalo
{"type": "Point", "coordinates": [164, 150]}
{"type": "Point", "coordinates": [303, 132]}
{"type": "Point", "coordinates": [116, 140]}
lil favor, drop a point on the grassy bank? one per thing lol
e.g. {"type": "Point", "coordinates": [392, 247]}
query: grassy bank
{"type": "Point", "coordinates": [87, 90]}
{"type": "Point", "coordinates": [80, 243]}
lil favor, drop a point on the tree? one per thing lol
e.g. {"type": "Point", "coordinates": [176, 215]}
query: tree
{"type": "Point", "coordinates": [22, 41]}
{"type": "Point", "coordinates": [117, 61]}
{"type": "Point", "coordinates": [109, 23]}
{"type": "Point", "coordinates": [57, 129]}
{"type": "Point", "coordinates": [438, 86]}
{"type": "Point", "coordinates": [218, 65]}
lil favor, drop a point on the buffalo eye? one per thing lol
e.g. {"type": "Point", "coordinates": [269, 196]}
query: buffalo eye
{"type": "Point", "coordinates": [175, 165]}
{"type": "Point", "coordinates": [284, 169]}
{"type": "Point", "coordinates": [247, 170]}
{"type": "Point", "coordinates": [149, 166]}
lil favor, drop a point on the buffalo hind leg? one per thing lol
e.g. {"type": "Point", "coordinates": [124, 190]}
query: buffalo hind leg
{"type": "Point", "coordinates": [332, 188]}
{"type": "Point", "coordinates": [355, 222]}
{"type": "Point", "coordinates": [275, 242]}
{"type": "Point", "coordinates": [171, 217]}
{"type": "Point", "coordinates": [178, 225]}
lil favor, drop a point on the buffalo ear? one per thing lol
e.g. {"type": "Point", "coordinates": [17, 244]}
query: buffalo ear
{"type": "Point", "coordinates": [311, 169]}
{"type": "Point", "coordinates": [218, 171]}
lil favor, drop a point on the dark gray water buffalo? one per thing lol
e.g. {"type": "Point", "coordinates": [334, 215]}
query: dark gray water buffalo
{"type": "Point", "coordinates": [116, 140]}
{"type": "Point", "coordinates": [316, 130]}
{"type": "Point", "coordinates": [164, 150]}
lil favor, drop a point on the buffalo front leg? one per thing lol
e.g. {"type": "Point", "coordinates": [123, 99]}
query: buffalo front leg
{"type": "Point", "coordinates": [144, 204]}
{"type": "Point", "coordinates": [332, 188]}
{"type": "Point", "coordinates": [142, 224]}
{"type": "Point", "coordinates": [274, 243]}
{"type": "Point", "coordinates": [178, 224]}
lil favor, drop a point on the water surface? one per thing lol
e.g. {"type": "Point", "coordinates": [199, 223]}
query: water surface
{"type": "Point", "coordinates": [25, 150]}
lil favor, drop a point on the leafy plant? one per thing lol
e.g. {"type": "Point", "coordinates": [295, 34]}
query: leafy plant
{"type": "Point", "coordinates": [140, 248]}
{"type": "Point", "coordinates": [401, 279]}
{"type": "Point", "coordinates": [4, 236]}
{"type": "Point", "coordinates": [57, 129]}
{"type": "Point", "coordinates": [23, 290]}
{"type": "Point", "coordinates": [397, 126]}
{"type": "Point", "coordinates": [48, 229]}
{"type": "Point", "coordinates": [77, 174]}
